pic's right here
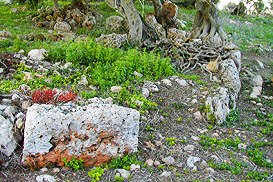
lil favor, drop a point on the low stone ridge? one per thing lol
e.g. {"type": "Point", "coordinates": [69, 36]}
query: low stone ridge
{"type": "Point", "coordinates": [95, 133]}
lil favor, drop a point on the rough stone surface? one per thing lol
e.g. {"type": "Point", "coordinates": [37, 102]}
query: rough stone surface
{"type": "Point", "coordinates": [37, 54]}
{"type": "Point", "coordinates": [115, 23]}
{"type": "Point", "coordinates": [165, 174]}
{"type": "Point", "coordinates": [189, 148]}
{"type": "Point", "coordinates": [7, 140]}
{"type": "Point", "coordinates": [45, 178]}
{"type": "Point", "coordinates": [95, 133]}
{"type": "Point", "coordinates": [257, 82]}
{"type": "Point", "coordinates": [169, 160]}
{"type": "Point", "coordinates": [150, 86]}
{"type": "Point", "coordinates": [124, 173]}
{"type": "Point", "coordinates": [5, 34]}
{"type": "Point", "coordinates": [112, 40]}
{"type": "Point", "coordinates": [62, 26]}
{"type": "Point", "coordinates": [176, 34]}
{"type": "Point", "coordinates": [236, 56]}
{"type": "Point", "coordinates": [229, 75]}
{"type": "Point", "coordinates": [191, 161]}
{"type": "Point", "coordinates": [116, 89]}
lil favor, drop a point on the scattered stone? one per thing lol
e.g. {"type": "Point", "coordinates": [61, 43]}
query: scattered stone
{"type": "Point", "coordinates": [149, 162]}
{"type": "Point", "coordinates": [259, 104]}
{"type": "Point", "coordinates": [257, 82]}
{"type": "Point", "coordinates": [203, 131]}
{"type": "Point", "coordinates": [27, 76]}
{"type": "Point", "coordinates": [168, 160]}
{"type": "Point", "coordinates": [83, 81]}
{"type": "Point", "coordinates": [62, 26]}
{"type": "Point", "coordinates": [253, 102]}
{"type": "Point", "coordinates": [156, 163]}
{"type": "Point", "coordinates": [37, 54]}
{"type": "Point", "coordinates": [165, 174]}
{"type": "Point", "coordinates": [210, 170]}
{"type": "Point", "coordinates": [26, 104]}
{"type": "Point", "coordinates": [44, 169]}
{"type": "Point", "coordinates": [197, 115]}
{"type": "Point", "coordinates": [21, 51]}
{"type": "Point", "coordinates": [242, 146]}
{"type": "Point", "coordinates": [195, 138]}
{"type": "Point", "coordinates": [134, 167]}
{"type": "Point", "coordinates": [124, 173]}
{"type": "Point", "coordinates": [116, 89]}
{"type": "Point", "coordinates": [5, 34]}
{"type": "Point", "coordinates": [204, 163]}
{"type": "Point", "coordinates": [45, 178]}
{"type": "Point", "coordinates": [194, 101]}
{"type": "Point", "coordinates": [215, 157]}
{"type": "Point", "coordinates": [15, 98]}
{"type": "Point", "coordinates": [57, 132]}
{"type": "Point", "coordinates": [181, 82]}
{"type": "Point", "coordinates": [189, 148]}
{"type": "Point", "coordinates": [112, 40]}
{"type": "Point", "coordinates": [115, 23]}
{"type": "Point", "coordinates": [56, 170]}
{"type": "Point", "coordinates": [180, 165]}
{"type": "Point", "coordinates": [230, 46]}
{"type": "Point", "coordinates": [191, 161]}
{"type": "Point", "coordinates": [150, 86]}
{"type": "Point", "coordinates": [215, 134]}
{"type": "Point", "coordinates": [145, 92]}
{"type": "Point", "coordinates": [138, 74]}
{"type": "Point", "coordinates": [167, 82]}
{"type": "Point", "coordinates": [158, 143]}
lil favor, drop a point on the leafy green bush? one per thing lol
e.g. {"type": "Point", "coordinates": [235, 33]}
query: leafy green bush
{"type": "Point", "coordinates": [95, 174]}
{"type": "Point", "coordinates": [74, 163]}
{"type": "Point", "coordinates": [124, 162]}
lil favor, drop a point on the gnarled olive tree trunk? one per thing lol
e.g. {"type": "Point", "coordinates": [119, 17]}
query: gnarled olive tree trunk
{"type": "Point", "coordinates": [127, 9]}
{"type": "Point", "coordinates": [206, 25]}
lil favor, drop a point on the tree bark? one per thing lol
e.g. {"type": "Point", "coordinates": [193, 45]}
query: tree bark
{"type": "Point", "coordinates": [206, 25]}
{"type": "Point", "coordinates": [127, 9]}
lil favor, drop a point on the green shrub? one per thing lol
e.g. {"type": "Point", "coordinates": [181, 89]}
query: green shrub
{"type": "Point", "coordinates": [124, 162]}
{"type": "Point", "coordinates": [74, 163]}
{"type": "Point", "coordinates": [95, 174]}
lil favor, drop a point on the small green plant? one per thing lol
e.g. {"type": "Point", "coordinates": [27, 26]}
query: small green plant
{"type": "Point", "coordinates": [232, 117]}
{"type": "Point", "coordinates": [124, 162]}
{"type": "Point", "coordinates": [171, 141]}
{"type": "Point", "coordinates": [95, 174]}
{"type": "Point", "coordinates": [235, 167]}
{"type": "Point", "coordinates": [74, 163]}
{"type": "Point", "coordinates": [256, 175]}
{"type": "Point", "coordinates": [119, 178]}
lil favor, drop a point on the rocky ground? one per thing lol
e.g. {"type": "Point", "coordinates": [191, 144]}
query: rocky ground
{"type": "Point", "coordinates": [177, 141]}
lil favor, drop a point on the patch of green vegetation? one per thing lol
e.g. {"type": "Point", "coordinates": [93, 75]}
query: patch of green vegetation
{"type": "Point", "coordinates": [207, 141]}
{"type": "Point", "coordinates": [232, 117]}
{"type": "Point", "coordinates": [95, 174]}
{"type": "Point", "coordinates": [119, 178]}
{"type": "Point", "coordinates": [258, 157]}
{"type": "Point", "coordinates": [235, 167]}
{"type": "Point", "coordinates": [250, 36]}
{"type": "Point", "coordinates": [74, 163]}
{"type": "Point", "coordinates": [195, 78]}
{"type": "Point", "coordinates": [171, 141]}
{"type": "Point", "coordinates": [124, 162]}
{"type": "Point", "coordinates": [257, 175]}
{"type": "Point", "coordinates": [178, 105]}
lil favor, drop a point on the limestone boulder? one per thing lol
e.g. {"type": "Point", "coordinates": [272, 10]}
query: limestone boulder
{"type": "Point", "coordinates": [7, 140]}
{"type": "Point", "coordinates": [115, 23]}
{"type": "Point", "coordinates": [62, 26]}
{"type": "Point", "coordinates": [95, 133]}
{"type": "Point", "coordinates": [112, 40]}
{"type": "Point", "coordinates": [37, 54]}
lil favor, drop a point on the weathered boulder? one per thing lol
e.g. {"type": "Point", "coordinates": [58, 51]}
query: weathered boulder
{"type": "Point", "coordinates": [115, 23]}
{"type": "Point", "coordinates": [112, 40]}
{"type": "Point", "coordinates": [229, 75]}
{"type": "Point", "coordinates": [219, 105]}
{"type": "Point", "coordinates": [62, 26]}
{"type": "Point", "coordinates": [95, 133]}
{"type": "Point", "coordinates": [89, 21]}
{"type": "Point", "coordinates": [7, 140]}
{"type": "Point", "coordinates": [257, 82]}
{"type": "Point", "coordinates": [37, 54]}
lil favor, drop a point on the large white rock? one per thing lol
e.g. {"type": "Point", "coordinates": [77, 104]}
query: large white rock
{"type": "Point", "coordinates": [7, 140]}
{"type": "Point", "coordinates": [37, 54]}
{"type": "Point", "coordinates": [95, 133]}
